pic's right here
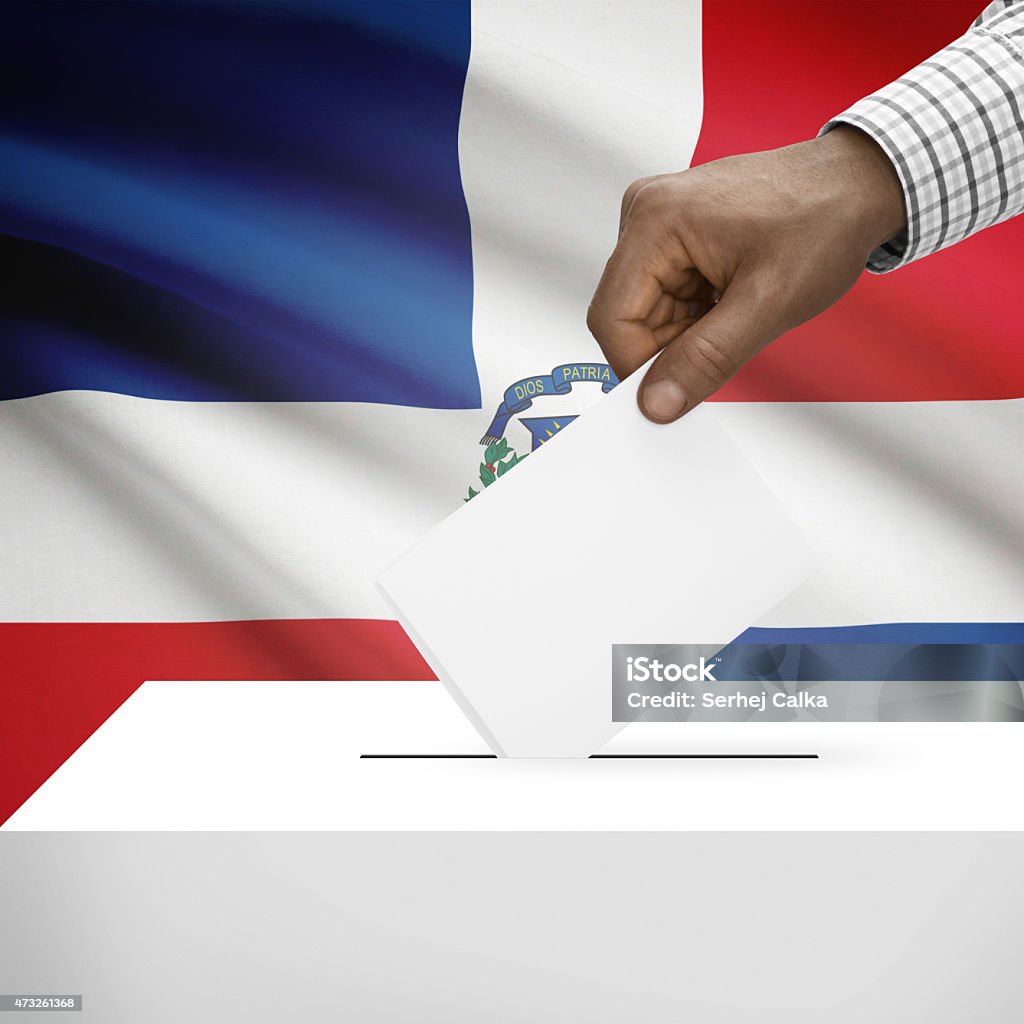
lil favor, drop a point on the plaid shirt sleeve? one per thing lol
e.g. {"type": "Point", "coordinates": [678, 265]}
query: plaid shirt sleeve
{"type": "Point", "coordinates": [954, 130]}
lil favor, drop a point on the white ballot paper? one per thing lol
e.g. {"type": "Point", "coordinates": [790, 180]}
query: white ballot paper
{"type": "Point", "coordinates": [616, 531]}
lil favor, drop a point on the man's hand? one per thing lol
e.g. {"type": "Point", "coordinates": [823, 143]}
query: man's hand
{"type": "Point", "coordinates": [715, 262]}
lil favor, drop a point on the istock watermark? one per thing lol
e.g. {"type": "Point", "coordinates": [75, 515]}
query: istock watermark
{"type": "Point", "coordinates": [871, 674]}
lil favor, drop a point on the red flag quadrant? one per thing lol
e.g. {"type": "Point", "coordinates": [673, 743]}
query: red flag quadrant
{"type": "Point", "coordinates": [944, 328]}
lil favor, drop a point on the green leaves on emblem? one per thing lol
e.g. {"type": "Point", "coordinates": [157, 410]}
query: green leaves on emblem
{"type": "Point", "coordinates": [496, 451]}
{"type": "Point", "coordinates": [493, 467]}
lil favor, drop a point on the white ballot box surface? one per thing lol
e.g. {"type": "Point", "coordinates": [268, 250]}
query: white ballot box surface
{"type": "Point", "coordinates": [617, 531]}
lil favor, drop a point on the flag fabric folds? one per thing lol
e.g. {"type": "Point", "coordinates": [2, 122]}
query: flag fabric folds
{"type": "Point", "coordinates": [270, 269]}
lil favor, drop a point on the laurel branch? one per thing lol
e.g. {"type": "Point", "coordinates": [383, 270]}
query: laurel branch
{"type": "Point", "coordinates": [499, 458]}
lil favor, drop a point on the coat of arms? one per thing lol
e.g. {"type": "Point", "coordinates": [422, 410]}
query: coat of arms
{"type": "Point", "coordinates": [499, 455]}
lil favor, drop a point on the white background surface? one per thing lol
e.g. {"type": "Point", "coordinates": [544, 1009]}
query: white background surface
{"type": "Point", "coordinates": [231, 755]}
{"type": "Point", "coordinates": [556, 928]}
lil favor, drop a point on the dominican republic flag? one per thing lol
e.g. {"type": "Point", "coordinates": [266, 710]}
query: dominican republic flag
{"type": "Point", "coordinates": [283, 282]}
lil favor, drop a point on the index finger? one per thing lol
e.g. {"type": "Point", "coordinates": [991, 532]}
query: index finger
{"type": "Point", "coordinates": [635, 279]}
